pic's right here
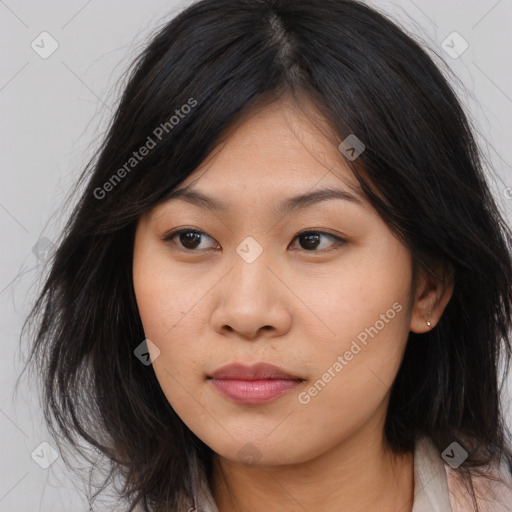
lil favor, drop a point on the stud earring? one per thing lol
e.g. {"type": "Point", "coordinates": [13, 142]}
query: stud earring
{"type": "Point", "coordinates": [428, 322]}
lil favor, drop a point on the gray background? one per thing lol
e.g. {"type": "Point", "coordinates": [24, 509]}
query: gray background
{"type": "Point", "coordinates": [53, 115]}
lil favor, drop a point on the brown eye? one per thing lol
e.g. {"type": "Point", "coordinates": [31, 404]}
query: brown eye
{"type": "Point", "coordinates": [194, 241]}
{"type": "Point", "coordinates": [188, 239]}
{"type": "Point", "coordinates": [311, 241]}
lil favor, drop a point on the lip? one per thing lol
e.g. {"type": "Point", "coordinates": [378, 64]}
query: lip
{"type": "Point", "coordinates": [258, 371]}
{"type": "Point", "coordinates": [255, 384]}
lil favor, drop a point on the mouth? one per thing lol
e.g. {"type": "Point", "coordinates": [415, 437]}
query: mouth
{"type": "Point", "coordinates": [256, 384]}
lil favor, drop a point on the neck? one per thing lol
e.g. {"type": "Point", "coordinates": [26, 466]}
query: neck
{"type": "Point", "coordinates": [358, 474]}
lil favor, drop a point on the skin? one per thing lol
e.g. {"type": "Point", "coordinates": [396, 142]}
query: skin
{"type": "Point", "coordinates": [298, 306]}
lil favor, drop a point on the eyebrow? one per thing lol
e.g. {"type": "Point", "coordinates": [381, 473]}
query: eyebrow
{"type": "Point", "coordinates": [286, 206]}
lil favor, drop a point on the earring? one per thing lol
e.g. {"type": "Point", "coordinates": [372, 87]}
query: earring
{"type": "Point", "coordinates": [428, 322]}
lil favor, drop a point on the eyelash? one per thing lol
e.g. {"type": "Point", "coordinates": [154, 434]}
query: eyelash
{"type": "Point", "coordinates": [337, 240]}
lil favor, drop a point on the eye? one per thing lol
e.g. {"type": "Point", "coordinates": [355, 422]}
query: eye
{"type": "Point", "coordinates": [311, 240]}
{"type": "Point", "coordinates": [188, 239]}
{"type": "Point", "coordinates": [191, 240]}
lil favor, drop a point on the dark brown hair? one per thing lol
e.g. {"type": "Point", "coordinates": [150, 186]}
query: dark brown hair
{"type": "Point", "coordinates": [421, 170]}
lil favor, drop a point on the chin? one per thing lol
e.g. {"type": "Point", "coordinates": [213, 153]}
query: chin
{"type": "Point", "coordinates": [254, 452]}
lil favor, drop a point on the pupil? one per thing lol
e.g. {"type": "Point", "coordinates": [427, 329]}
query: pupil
{"type": "Point", "coordinates": [189, 236]}
{"type": "Point", "coordinates": [310, 238]}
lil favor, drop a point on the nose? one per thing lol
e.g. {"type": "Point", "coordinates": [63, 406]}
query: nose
{"type": "Point", "coordinates": [252, 301]}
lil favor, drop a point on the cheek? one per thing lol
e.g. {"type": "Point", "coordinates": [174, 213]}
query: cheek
{"type": "Point", "coordinates": [162, 305]}
{"type": "Point", "coordinates": [367, 296]}
{"type": "Point", "coordinates": [170, 315]}
{"type": "Point", "coordinates": [166, 297]}
{"type": "Point", "coordinates": [356, 362]}
{"type": "Point", "coordinates": [172, 319]}
{"type": "Point", "coordinates": [161, 319]}
{"type": "Point", "coordinates": [351, 381]}
{"type": "Point", "coordinates": [364, 356]}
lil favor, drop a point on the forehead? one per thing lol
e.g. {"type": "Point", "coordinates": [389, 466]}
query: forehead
{"type": "Point", "coordinates": [275, 150]}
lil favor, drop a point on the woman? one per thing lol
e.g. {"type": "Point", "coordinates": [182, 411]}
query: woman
{"type": "Point", "coordinates": [286, 285]}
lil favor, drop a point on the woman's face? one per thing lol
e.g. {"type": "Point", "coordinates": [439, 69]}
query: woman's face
{"type": "Point", "coordinates": [332, 309]}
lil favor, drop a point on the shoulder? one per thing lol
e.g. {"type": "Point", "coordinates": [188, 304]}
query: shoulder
{"type": "Point", "coordinates": [492, 489]}
{"type": "Point", "coordinates": [444, 488]}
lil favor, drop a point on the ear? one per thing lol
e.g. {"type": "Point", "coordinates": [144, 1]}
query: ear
{"type": "Point", "coordinates": [431, 296]}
